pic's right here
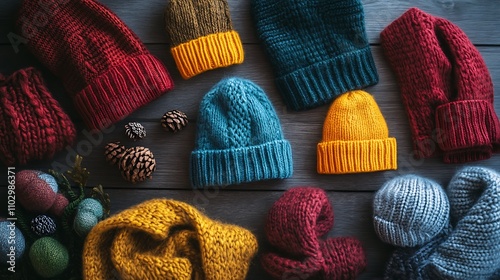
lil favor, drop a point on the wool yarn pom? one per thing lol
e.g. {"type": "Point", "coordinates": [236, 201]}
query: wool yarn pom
{"type": "Point", "coordinates": [48, 257]}
{"type": "Point", "coordinates": [37, 192]}
{"type": "Point", "coordinates": [49, 179]}
{"type": "Point", "coordinates": [88, 214]}
{"type": "Point", "coordinates": [6, 231]}
{"type": "Point", "coordinates": [43, 225]}
{"type": "Point", "coordinates": [59, 205]}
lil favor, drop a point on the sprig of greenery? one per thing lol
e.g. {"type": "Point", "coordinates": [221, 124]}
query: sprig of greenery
{"type": "Point", "coordinates": [79, 175]}
{"type": "Point", "coordinates": [98, 192]}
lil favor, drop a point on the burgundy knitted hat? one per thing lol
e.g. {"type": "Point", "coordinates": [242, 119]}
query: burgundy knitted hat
{"type": "Point", "coordinates": [446, 88]}
{"type": "Point", "coordinates": [32, 124]}
{"type": "Point", "coordinates": [102, 63]}
{"type": "Point", "coordinates": [294, 226]}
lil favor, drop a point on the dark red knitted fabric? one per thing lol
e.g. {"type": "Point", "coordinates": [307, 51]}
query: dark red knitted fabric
{"type": "Point", "coordinates": [445, 86]}
{"type": "Point", "coordinates": [32, 124]}
{"type": "Point", "coordinates": [294, 228]}
{"type": "Point", "coordinates": [102, 63]}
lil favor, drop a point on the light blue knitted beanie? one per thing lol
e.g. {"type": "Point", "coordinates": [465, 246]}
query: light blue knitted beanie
{"type": "Point", "coordinates": [472, 251]}
{"type": "Point", "coordinates": [409, 211]}
{"type": "Point", "coordinates": [239, 137]}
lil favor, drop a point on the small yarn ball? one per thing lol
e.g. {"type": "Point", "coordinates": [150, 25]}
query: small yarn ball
{"type": "Point", "coordinates": [409, 211]}
{"type": "Point", "coordinates": [114, 152]}
{"type": "Point", "coordinates": [88, 214]}
{"type": "Point", "coordinates": [59, 205]}
{"type": "Point", "coordinates": [48, 257]}
{"type": "Point", "coordinates": [137, 164]}
{"type": "Point", "coordinates": [84, 222]}
{"type": "Point", "coordinates": [35, 191]}
{"type": "Point", "coordinates": [91, 205]}
{"type": "Point", "coordinates": [49, 179]}
{"type": "Point", "coordinates": [43, 225]}
{"type": "Point", "coordinates": [135, 131]}
{"type": "Point", "coordinates": [174, 120]}
{"type": "Point", "coordinates": [17, 241]}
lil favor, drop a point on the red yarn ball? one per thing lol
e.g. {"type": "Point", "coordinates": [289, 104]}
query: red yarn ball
{"type": "Point", "coordinates": [59, 205]}
{"type": "Point", "coordinates": [36, 195]}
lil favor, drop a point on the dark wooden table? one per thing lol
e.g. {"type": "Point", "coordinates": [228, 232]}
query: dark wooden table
{"type": "Point", "coordinates": [247, 204]}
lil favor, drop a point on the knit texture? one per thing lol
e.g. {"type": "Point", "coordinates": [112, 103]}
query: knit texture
{"type": "Point", "coordinates": [355, 137]}
{"type": "Point", "coordinates": [472, 251]}
{"type": "Point", "coordinates": [6, 228]}
{"type": "Point", "coordinates": [318, 48]}
{"type": "Point", "coordinates": [88, 214]}
{"type": "Point", "coordinates": [409, 211]}
{"type": "Point", "coordinates": [166, 239]}
{"type": "Point", "coordinates": [239, 137]}
{"type": "Point", "coordinates": [294, 227]}
{"type": "Point", "coordinates": [35, 192]}
{"type": "Point", "coordinates": [48, 257]}
{"type": "Point", "coordinates": [32, 124]}
{"type": "Point", "coordinates": [202, 36]}
{"type": "Point", "coordinates": [102, 63]}
{"type": "Point", "coordinates": [445, 86]}
{"type": "Point", "coordinates": [467, 248]}
{"type": "Point", "coordinates": [410, 262]}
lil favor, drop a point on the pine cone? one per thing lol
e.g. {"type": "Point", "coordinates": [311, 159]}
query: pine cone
{"type": "Point", "coordinates": [135, 130]}
{"type": "Point", "coordinates": [174, 120]}
{"type": "Point", "coordinates": [137, 164]}
{"type": "Point", "coordinates": [114, 152]}
{"type": "Point", "coordinates": [43, 225]}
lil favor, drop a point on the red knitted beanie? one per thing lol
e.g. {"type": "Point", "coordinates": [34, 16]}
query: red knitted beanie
{"type": "Point", "coordinates": [445, 86]}
{"type": "Point", "coordinates": [102, 63]}
{"type": "Point", "coordinates": [294, 226]}
{"type": "Point", "coordinates": [32, 124]}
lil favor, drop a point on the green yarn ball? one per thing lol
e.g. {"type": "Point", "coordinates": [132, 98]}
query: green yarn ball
{"type": "Point", "coordinates": [48, 257]}
{"type": "Point", "coordinates": [92, 205]}
{"type": "Point", "coordinates": [84, 222]}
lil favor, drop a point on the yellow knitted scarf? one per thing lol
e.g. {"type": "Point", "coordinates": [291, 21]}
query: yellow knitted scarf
{"type": "Point", "coordinates": [166, 239]}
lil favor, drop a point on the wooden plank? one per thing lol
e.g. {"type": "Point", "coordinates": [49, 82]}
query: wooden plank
{"type": "Point", "coordinates": [477, 18]}
{"type": "Point", "coordinates": [353, 217]}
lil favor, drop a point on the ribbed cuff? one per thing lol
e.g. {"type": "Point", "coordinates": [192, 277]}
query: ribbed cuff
{"type": "Point", "coordinates": [207, 53]}
{"type": "Point", "coordinates": [464, 130]}
{"type": "Point", "coordinates": [398, 234]}
{"type": "Point", "coordinates": [339, 157]}
{"type": "Point", "coordinates": [272, 160]}
{"type": "Point", "coordinates": [121, 90]}
{"type": "Point", "coordinates": [320, 83]}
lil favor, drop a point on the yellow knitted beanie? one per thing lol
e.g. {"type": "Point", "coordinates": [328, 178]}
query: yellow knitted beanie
{"type": "Point", "coordinates": [355, 137]}
{"type": "Point", "coordinates": [166, 239]}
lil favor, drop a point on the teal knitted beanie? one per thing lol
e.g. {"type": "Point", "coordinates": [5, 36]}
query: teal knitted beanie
{"type": "Point", "coordinates": [318, 48]}
{"type": "Point", "coordinates": [410, 210]}
{"type": "Point", "coordinates": [239, 137]}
